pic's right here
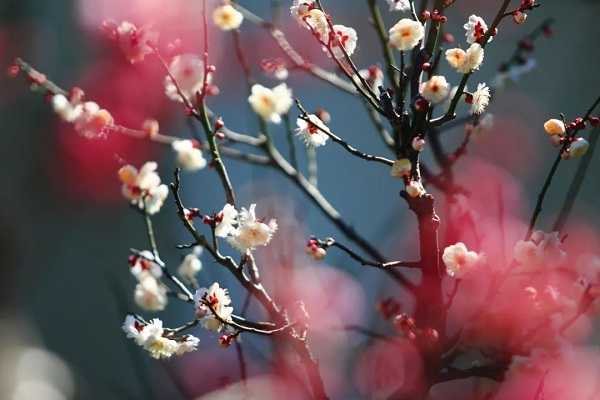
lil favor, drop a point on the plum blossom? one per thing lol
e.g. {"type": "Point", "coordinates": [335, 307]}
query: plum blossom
{"type": "Point", "coordinates": [481, 98]}
{"type": "Point", "coordinates": [188, 72]}
{"type": "Point", "coordinates": [251, 232]}
{"type": "Point", "coordinates": [542, 250]}
{"type": "Point", "coordinates": [476, 29]}
{"type": "Point", "coordinates": [66, 110]}
{"type": "Point", "coordinates": [436, 89]}
{"type": "Point", "coordinates": [134, 329]}
{"type": "Point", "coordinates": [270, 104]}
{"type": "Point", "coordinates": [344, 37]}
{"type": "Point", "coordinates": [401, 168]}
{"type": "Point", "coordinates": [554, 127]}
{"type": "Point", "coordinates": [406, 34]}
{"type": "Point", "coordinates": [188, 156]}
{"type": "Point", "coordinates": [312, 131]}
{"type": "Point", "coordinates": [151, 336]}
{"type": "Point", "coordinates": [465, 61]}
{"type": "Point", "coordinates": [226, 221]}
{"type": "Point", "coordinates": [187, 344]}
{"type": "Point", "coordinates": [135, 42]}
{"type": "Point", "coordinates": [190, 265]}
{"type": "Point", "coordinates": [92, 120]}
{"type": "Point", "coordinates": [309, 17]}
{"type": "Point", "coordinates": [458, 260]}
{"type": "Point", "coordinates": [150, 294]}
{"type": "Point", "coordinates": [373, 76]}
{"type": "Point", "coordinates": [142, 264]}
{"type": "Point", "coordinates": [398, 5]}
{"type": "Point", "coordinates": [578, 147]}
{"type": "Point", "coordinates": [227, 18]}
{"type": "Point", "coordinates": [143, 187]}
{"type": "Point", "coordinates": [219, 300]}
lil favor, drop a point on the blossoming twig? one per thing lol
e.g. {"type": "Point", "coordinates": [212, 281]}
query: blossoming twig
{"type": "Point", "coordinates": [571, 134]}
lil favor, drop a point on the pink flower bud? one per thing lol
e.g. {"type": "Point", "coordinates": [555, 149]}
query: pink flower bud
{"type": "Point", "coordinates": [418, 144]}
{"type": "Point", "coordinates": [219, 124]}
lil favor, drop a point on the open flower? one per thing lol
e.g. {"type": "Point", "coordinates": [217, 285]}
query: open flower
{"type": "Point", "coordinates": [143, 187]}
{"type": "Point", "coordinates": [406, 34]}
{"type": "Point", "coordinates": [270, 104]}
{"type": "Point", "coordinates": [226, 221]}
{"type": "Point", "coordinates": [188, 156]}
{"type": "Point", "coordinates": [190, 265]}
{"type": "Point", "coordinates": [188, 71]}
{"type": "Point", "coordinates": [476, 29]}
{"type": "Point", "coordinates": [135, 42]}
{"type": "Point", "coordinates": [436, 89]}
{"type": "Point", "coordinates": [481, 98]}
{"type": "Point", "coordinates": [150, 294]}
{"type": "Point", "coordinates": [227, 18]}
{"type": "Point", "coordinates": [458, 260]}
{"type": "Point", "coordinates": [251, 232]}
{"type": "Point", "coordinates": [312, 132]}
{"type": "Point", "coordinates": [309, 17]}
{"type": "Point", "coordinates": [219, 301]}
{"type": "Point", "coordinates": [542, 250]}
{"type": "Point", "coordinates": [465, 61]}
{"type": "Point", "coordinates": [343, 37]}
{"type": "Point", "coordinates": [398, 5]}
{"type": "Point", "coordinates": [92, 120]}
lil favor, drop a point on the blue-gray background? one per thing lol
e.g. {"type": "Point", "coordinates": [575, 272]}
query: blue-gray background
{"type": "Point", "coordinates": [63, 258]}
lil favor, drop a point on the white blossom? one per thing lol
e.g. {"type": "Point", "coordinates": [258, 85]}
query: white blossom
{"type": "Point", "coordinates": [66, 110]}
{"type": "Point", "coordinates": [91, 120]}
{"type": "Point", "coordinates": [219, 300]}
{"type": "Point", "coordinates": [160, 346]}
{"type": "Point", "coordinates": [542, 250]}
{"type": "Point", "coordinates": [436, 89]}
{"type": "Point", "coordinates": [134, 329]}
{"type": "Point", "coordinates": [188, 72]}
{"type": "Point", "coordinates": [476, 28]}
{"type": "Point", "coordinates": [188, 156]}
{"type": "Point", "coordinates": [150, 294]}
{"type": "Point", "coordinates": [187, 344]}
{"type": "Point", "coordinates": [406, 34]}
{"type": "Point", "coordinates": [401, 168]}
{"type": "Point", "coordinates": [227, 18]}
{"type": "Point", "coordinates": [143, 187]}
{"type": "Point", "coordinates": [554, 127]}
{"type": "Point", "coordinates": [250, 232]}
{"type": "Point", "coordinates": [190, 265]}
{"type": "Point", "coordinates": [373, 76]}
{"type": "Point", "coordinates": [226, 221]}
{"type": "Point", "coordinates": [136, 42]}
{"type": "Point", "coordinates": [344, 37]}
{"type": "Point", "coordinates": [309, 17]}
{"type": "Point", "coordinates": [270, 104]}
{"type": "Point", "coordinates": [312, 132]}
{"type": "Point", "coordinates": [399, 5]}
{"type": "Point", "coordinates": [578, 148]}
{"type": "Point", "coordinates": [141, 264]}
{"type": "Point", "coordinates": [481, 98]}
{"type": "Point", "coordinates": [458, 260]}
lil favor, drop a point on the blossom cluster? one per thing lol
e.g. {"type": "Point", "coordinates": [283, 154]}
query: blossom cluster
{"type": "Point", "coordinates": [152, 337]}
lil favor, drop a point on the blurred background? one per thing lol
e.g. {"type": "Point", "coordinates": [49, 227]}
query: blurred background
{"type": "Point", "coordinates": [65, 230]}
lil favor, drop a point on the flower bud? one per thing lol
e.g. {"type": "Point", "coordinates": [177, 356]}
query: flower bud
{"type": "Point", "coordinates": [401, 168]}
{"type": "Point", "coordinates": [519, 17]}
{"type": "Point", "coordinates": [578, 148]}
{"type": "Point", "coordinates": [554, 127]}
{"type": "Point", "coordinates": [418, 144]}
